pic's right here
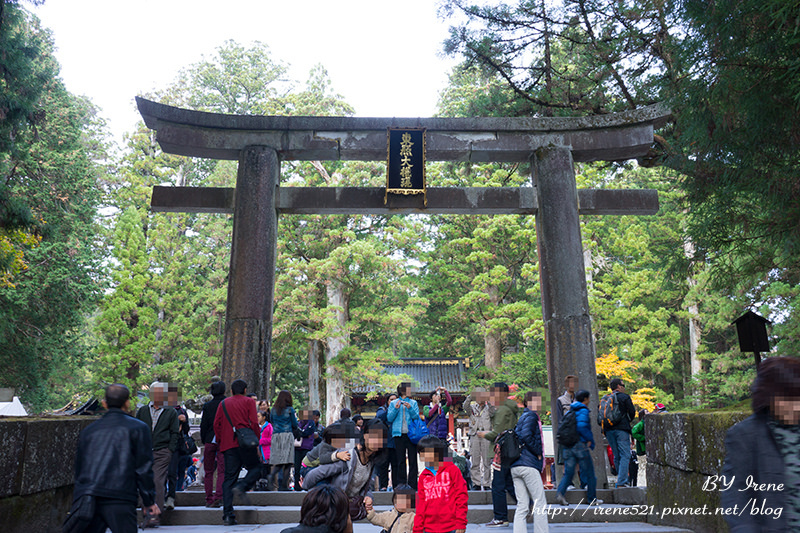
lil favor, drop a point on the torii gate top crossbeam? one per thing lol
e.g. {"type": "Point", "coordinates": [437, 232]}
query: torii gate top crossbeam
{"type": "Point", "coordinates": [611, 137]}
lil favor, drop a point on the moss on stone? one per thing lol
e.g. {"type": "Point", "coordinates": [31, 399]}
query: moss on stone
{"type": "Point", "coordinates": [683, 450]}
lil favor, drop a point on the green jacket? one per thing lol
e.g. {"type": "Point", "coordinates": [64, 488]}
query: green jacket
{"type": "Point", "coordinates": [638, 434]}
{"type": "Point", "coordinates": [505, 417]}
{"type": "Point", "coordinates": [166, 432]}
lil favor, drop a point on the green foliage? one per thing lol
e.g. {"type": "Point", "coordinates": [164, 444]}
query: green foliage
{"type": "Point", "coordinates": [728, 70]}
{"type": "Point", "coordinates": [185, 257]}
{"type": "Point", "coordinates": [47, 163]}
{"type": "Point", "coordinates": [637, 310]}
{"type": "Point", "coordinates": [28, 73]}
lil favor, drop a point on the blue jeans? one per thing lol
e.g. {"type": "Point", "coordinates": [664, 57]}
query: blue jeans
{"type": "Point", "coordinates": [579, 454]}
{"type": "Point", "coordinates": [620, 442]}
{"type": "Point", "coordinates": [502, 483]}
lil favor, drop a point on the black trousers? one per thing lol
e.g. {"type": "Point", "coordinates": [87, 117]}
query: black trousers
{"type": "Point", "coordinates": [299, 455]}
{"type": "Point", "coordinates": [117, 515]}
{"type": "Point", "coordinates": [405, 448]}
{"type": "Point", "coordinates": [502, 483]}
{"type": "Point", "coordinates": [383, 470]}
{"type": "Point", "coordinates": [235, 459]}
{"type": "Point", "coordinates": [177, 471]}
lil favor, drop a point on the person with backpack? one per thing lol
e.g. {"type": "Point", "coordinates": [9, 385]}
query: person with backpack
{"type": "Point", "coordinates": [400, 414]}
{"type": "Point", "coordinates": [563, 403]}
{"type": "Point", "coordinates": [526, 472]}
{"type": "Point", "coordinates": [505, 418]}
{"type": "Point", "coordinates": [615, 415]}
{"type": "Point", "coordinates": [436, 413]}
{"type": "Point", "coordinates": [575, 437]}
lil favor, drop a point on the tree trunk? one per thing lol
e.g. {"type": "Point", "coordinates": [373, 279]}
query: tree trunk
{"type": "Point", "coordinates": [493, 350]}
{"type": "Point", "coordinates": [314, 375]}
{"type": "Point", "coordinates": [339, 302]}
{"type": "Point", "coordinates": [694, 340]}
{"type": "Point", "coordinates": [695, 364]}
{"type": "Point", "coordinates": [548, 65]}
{"type": "Point", "coordinates": [587, 265]}
{"type": "Point", "coordinates": [492, 342]}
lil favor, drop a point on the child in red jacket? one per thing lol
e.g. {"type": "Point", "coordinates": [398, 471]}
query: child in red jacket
{"type": "Point", "coordinates": [441, 491]}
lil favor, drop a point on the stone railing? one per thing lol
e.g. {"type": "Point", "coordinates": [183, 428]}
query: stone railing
{"type": "Point", "coordinates": [37, 463]}
{"type": "Point", "coordinates": [683, 451]}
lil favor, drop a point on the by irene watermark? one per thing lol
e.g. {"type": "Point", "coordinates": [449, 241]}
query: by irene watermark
{"type": "Point", "coordinates": [723, 483]}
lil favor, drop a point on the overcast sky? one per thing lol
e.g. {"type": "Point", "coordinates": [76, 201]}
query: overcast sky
{"type": "Point", "coordinates": [113, 50]}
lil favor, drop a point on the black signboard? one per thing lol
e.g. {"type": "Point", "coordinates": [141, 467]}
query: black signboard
{"type": "Point", "coordinates": [405, 162]}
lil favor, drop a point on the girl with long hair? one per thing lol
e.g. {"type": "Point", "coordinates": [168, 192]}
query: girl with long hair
{"type": "Point", "coordinates": [284, 423]}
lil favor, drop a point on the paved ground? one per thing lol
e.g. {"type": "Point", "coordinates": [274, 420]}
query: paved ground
{"type": "Point", "coordinates": [585, 527]}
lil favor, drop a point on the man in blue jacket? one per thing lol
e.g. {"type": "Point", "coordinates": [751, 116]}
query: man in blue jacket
{"type": "Point", "coordinates": [580, 453]}
{"type": "Point", "coordinates": [527, 470]}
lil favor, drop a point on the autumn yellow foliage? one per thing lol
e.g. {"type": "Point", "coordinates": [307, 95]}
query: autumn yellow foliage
{"type": "Point", "coordinates": [611, 366]}
{"type": "Point", "coordinates": [12, 244]}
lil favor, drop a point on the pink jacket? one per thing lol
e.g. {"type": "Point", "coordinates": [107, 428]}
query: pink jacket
{"type": "Point", "coordinates": [265, 442]}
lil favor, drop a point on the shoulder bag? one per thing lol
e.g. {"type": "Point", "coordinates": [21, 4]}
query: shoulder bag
{"type": "Point", "coordinates": [417, 429]}
{"type": "Point", "coordinates": [244, 436]}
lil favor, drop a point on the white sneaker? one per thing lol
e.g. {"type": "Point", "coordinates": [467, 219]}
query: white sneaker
{"type": "Point", "coordinates": [169, 504]}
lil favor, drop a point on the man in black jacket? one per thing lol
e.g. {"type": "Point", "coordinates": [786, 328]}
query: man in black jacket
{"type": "Point", "coordinates": [180, 461]}
{"type": "Point", "coordinates": [619, 438]}
{"type": "Point", "coordinates": [212, 456]}
{"type": "Point", "coordinates": [114, 464]}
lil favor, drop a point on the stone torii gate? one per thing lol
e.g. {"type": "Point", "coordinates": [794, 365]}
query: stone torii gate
{"type": "Point", "coordinates": [551, 145]}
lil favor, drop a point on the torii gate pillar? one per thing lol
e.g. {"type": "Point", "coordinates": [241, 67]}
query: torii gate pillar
{"type": "Point", "coordinates": [251, 283]}
{"type": "Point", "coordinates": [569, 343]}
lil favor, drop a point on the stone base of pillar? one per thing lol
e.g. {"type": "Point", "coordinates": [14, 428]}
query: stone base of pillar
{"type": "Point", "coordinates": [246, 354]}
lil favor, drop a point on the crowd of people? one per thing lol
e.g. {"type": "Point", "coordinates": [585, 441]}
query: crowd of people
{"type": "Point", "coordinates": [124, 459]}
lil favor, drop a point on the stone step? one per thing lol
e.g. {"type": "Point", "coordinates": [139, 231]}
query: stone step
{"type": "Point", "coordinates": [477, 514]}
{"type": "Point", "coordinates": [628, 496]}
{"type": "Point", "coordinates": [573, 527]}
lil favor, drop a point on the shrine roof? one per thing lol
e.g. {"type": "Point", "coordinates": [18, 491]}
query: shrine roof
{"type": "Point", "coordinates": [427, 374]}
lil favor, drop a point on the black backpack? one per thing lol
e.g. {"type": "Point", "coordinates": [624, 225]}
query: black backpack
{"type": "Point", "coordinates": [510, 446]}
{"type": "Point", "coordinates": [567, 434]}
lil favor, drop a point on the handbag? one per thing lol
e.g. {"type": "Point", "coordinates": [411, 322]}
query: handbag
{"type": "Point", "coordinates": [80, 514]}
{"type": "Point", "coordinates": [417, 429]}
{"type": "Point", "coordinates": [186, 445]}
{"type": "Point", "coordinates": [357, 508]}
{"type": "Point", "coordinates": [244, 436]}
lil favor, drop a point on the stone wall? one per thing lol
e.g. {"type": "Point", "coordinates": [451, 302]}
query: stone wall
{"type": "Point", "coordinates": [37, 463]}
{"type": "Point", "coordinates": [683, 450]}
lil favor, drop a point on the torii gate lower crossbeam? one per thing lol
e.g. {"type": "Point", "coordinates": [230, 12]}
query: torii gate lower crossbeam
{"type": "Point", "coordinates": [551, 145]}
